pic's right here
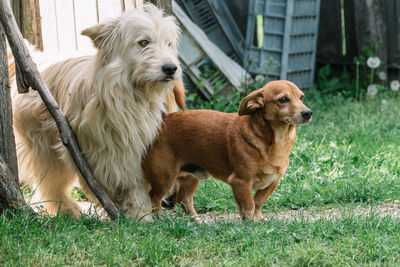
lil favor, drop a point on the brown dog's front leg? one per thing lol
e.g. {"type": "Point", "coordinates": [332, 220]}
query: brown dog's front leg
{"type": "Point", "coordinates": [187, 187]}
{"type": "Point", "coordinates": [261, 196]}
{"type": "Point", "coordinates": [241, 189]}
{"type": "Point", "coordinates": [156, 199]}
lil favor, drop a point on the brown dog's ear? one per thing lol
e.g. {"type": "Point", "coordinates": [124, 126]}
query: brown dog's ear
{"type": "Point", "coordinates": [252, 102]}
{"type": "Point", "coordinates": [101, 32]}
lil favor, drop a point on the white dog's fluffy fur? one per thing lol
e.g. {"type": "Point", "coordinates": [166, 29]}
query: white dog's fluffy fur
{"type": "Point", "coordinates": [114, 102]}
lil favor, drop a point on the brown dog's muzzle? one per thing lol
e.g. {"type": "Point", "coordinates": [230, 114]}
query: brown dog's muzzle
{"type": "Point", "coordinates": [306, 115]}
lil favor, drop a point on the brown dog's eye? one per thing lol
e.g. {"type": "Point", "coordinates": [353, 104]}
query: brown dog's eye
{"type": "Point", "coordinates": [302, 97]}
{"type": "Point", "coordinates": [283, 100]}
{"type": "Point", "coordinates": [144, 43]}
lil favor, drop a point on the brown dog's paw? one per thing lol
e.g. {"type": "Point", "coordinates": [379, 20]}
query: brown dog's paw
{"type": "Point", "coordinates": [258, 216]}
{"type": "Point", "coordinates": [196, 218]}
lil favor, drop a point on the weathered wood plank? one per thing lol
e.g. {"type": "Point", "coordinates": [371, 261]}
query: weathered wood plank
{"type": "Point", "coordinates": [85, 16]}
{"type": "Point", "coordinates": [131, 4]}
{"type": "Point", "coordinates": [393, 24]}
{"type": "Point", "coordinates": [49, 25]}
{"type": "Point", "coordinates": [66, 25]}
{"type": "Point", "coordinates": [371, 28]}
{"type": "Point", "coordinates": [330, 38]}
{"type": "Point", "coordinates": [138, 3]}
{"type": "Point", "coordinates": [28, 18]}
{"type": "Point", "coordinates": [109, 9]}
{"type": "Point", "coordinates": [234, 73]}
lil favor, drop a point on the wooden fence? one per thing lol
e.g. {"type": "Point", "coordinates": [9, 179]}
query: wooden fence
{"type": "Point", "coordinates": [63, 20]}
{"type": "Point", "coordinates": [339, 43]}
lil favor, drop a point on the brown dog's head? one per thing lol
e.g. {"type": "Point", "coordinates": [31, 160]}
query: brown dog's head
{"type": "Point", "coordinates": [277, 101]}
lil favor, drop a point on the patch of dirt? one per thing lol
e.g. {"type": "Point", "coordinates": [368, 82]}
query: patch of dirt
{"type": "Point", "coordinates": [383, 210]}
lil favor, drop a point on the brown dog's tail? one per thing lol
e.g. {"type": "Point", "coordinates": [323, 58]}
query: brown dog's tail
{"type": "Point", "coordinates": [176, 98]}
{"type": "Point", "coordinates": [179, 93]}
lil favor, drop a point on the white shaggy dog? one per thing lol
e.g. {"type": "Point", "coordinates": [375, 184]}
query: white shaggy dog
{"type": "Point", "coordinates": [114, 102]}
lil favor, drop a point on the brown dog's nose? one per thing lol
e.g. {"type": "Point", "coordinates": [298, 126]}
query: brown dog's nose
{"type": "Point", "coordinates": [169, 68]}
{"type": "Point", "coordinates": [306, 114]}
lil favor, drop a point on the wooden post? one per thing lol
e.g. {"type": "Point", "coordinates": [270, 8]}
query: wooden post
{"type": "Point", "coordinates": [10, 194]}
{"type": "Point", "coordinates": [7, 141]}
{"type": "Point", "coordinates": [27, 15]}
{"type": "Point", "coordinates": [30, 74]}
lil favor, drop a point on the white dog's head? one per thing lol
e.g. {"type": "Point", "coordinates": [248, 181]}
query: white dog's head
{"type": "Point", "coordinates": [144, 43]}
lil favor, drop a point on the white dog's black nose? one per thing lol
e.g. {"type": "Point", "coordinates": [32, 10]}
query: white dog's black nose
{"type": "Point", "coordinates": [169, 68]}
{"type": "Point", "coordinates": [306, 114]}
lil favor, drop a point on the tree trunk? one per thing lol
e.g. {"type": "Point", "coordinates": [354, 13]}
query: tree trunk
{"type": "Point", "coordinates": [7, 141]}
{"type": "Point", "coordinates": [371, 28]}
{"type": "Point", "coordinates": [10, 194]}
{"type": "Point", "coordinates": [27, 15]}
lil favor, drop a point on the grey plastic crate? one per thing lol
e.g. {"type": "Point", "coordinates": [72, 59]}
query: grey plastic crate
{"type": "Point", "coordinates": [290, 39]}
{"type": "Point", "coordinates": [215, 19]}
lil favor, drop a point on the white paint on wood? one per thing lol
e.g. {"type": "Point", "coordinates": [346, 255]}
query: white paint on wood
{"type": "Point", "coordinates": [63, 21]}
{"type": "Point", "coordinates": [138, 4]}
{"type": "Point", "coordinates": [66, 25]}
{"type": "Point", "coordinates": [85, 16]}
{"type": "Point", "coordinates": [49, 25]}
{"type": "Point", "coordinates": [129, 4]}
{"type": "Point", "coordinates": [108, 9]}
{"type": "Point", "coordinates": [133, 4]}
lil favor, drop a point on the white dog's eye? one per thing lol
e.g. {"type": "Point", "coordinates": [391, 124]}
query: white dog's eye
{"type": "Point", "coordinates": [170, 44]}
{"type": "Point", "coordinates": [144, 43]}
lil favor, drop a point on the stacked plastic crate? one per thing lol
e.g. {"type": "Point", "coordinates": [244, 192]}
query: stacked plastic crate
{"type": "Point", "coordinates": [287, 47]}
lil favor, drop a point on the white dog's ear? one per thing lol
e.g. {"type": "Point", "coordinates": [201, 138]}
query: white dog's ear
{"type": "Point", "coordinates": [252, 102]}
{"type": "Point", "coordinates": [101, 32]}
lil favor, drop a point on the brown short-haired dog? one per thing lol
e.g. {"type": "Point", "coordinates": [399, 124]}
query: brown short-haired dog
{"type": "Point", "coordinates": [249, 150]}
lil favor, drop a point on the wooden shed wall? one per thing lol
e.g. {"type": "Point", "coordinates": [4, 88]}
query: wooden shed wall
{"type": "Point", "coordinates": [63, 20]}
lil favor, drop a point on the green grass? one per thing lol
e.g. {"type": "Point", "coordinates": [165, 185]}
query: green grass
{"type": "Point", "coordinates": [349, 241]}
{"type": "Point", "coordinates": [349, 154]}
